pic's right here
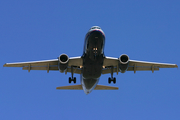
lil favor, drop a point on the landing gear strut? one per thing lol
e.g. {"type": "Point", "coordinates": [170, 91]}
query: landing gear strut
{"type": "Point", "coordinates": [72, 78]}
{"type": "Point", "coordinates": [112, 78]}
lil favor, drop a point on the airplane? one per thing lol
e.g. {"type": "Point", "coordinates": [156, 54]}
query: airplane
{"type": "Point", "coordinates": [91, 65]}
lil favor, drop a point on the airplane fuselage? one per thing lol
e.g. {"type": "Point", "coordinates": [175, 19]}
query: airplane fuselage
{"type": "Point", "coordinates": [93, 57]}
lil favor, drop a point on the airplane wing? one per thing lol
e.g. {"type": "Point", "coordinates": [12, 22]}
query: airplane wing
{"type": "Point", "coordinates": [48, 65]}
{"type": "Point", "coordinates": [134, 65]}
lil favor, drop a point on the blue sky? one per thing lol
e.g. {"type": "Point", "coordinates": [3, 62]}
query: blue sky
{"type": "Point", "coordinates": [41, 30]}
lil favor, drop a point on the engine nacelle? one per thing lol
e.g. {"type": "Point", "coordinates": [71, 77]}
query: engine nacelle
{"type": "Point", "coordinates": [123, 63]}
{"type": "Point", "coordinates": [63, 62]}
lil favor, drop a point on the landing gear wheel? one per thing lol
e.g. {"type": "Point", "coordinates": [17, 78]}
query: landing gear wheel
{"type": "Point", "coordinates": [74, 79]}
{"type": "Point", "coordinates": [109, 80]}
{"type": "Point", "coordinates": [70, 80]}
{"type": "Point", "coordinates": [114, 80]}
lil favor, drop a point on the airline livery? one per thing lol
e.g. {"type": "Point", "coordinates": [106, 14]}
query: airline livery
{"type": "Point", "coordinates": [91, 64]}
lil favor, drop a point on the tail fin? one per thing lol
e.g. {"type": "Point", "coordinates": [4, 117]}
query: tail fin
{"type": "Point", "coordinates": [79, 87]}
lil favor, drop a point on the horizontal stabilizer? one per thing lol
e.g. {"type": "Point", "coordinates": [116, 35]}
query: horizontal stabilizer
{"type": "Point", "coordinates": [102, 87]}
{"type": "Point", "coordinates": [72, 87]}
{"type": "Point", "coordinates": [79, 87]}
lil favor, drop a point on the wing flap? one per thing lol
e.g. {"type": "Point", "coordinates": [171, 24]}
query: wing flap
{"type": "Point", "coordinates": [107, 71]}
{"type": "Point", "coordinates": [75, 70]}
{"type": "Point", "coordinates": [141, 69]}
{"type": "Point", "coordinates": [40, 68]}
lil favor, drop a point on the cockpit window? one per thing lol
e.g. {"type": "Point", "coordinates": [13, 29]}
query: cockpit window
{"type": "Point", "coordinates": [95, 28]}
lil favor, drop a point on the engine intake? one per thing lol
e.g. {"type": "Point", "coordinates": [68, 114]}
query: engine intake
{"type": "Point", "coordinates": [63, 62]}
{"type": "Point", "coordinates": [123, 63]}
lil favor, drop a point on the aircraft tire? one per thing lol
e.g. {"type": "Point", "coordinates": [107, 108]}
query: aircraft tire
{"type": "Point", "coordinates": [74, 79]}
{"type": "Point", "coordinates": [109, 80]}
{"type": "Point", "coordinates": [114, 80]}
{"type": "Point", "coordinates": [70, 80]}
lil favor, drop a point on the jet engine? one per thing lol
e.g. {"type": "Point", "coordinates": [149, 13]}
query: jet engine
{"type": "Point", "coordinates": [63, 62]}
{"type": "Point", "coordinates": [123, 63]}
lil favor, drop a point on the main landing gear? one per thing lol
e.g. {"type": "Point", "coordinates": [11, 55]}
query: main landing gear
{"type": "Point", "coordinates": [72, 78]}
{"type": "Point", "coordinates": [110, 79]}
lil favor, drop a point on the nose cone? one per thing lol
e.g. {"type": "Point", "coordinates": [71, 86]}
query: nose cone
{"type": "Point", "coordinates": [87, 92]}
{"type": "Point", "coordinates": [89, 85]}
{"type": "Point", "coordinates": [96, 28]}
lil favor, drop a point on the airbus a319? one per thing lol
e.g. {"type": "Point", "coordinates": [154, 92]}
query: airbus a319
{"type": "Point", "coordinates": [92, 64]}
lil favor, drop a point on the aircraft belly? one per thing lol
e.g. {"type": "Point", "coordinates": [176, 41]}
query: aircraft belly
{"type": "Point", "coordinates": [91, 68]}
{"type": "Point", "coordinates": [93, 59]}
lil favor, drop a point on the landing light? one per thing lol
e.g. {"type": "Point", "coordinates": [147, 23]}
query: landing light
{"type": "Point", "coordinates": [94, 48]}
